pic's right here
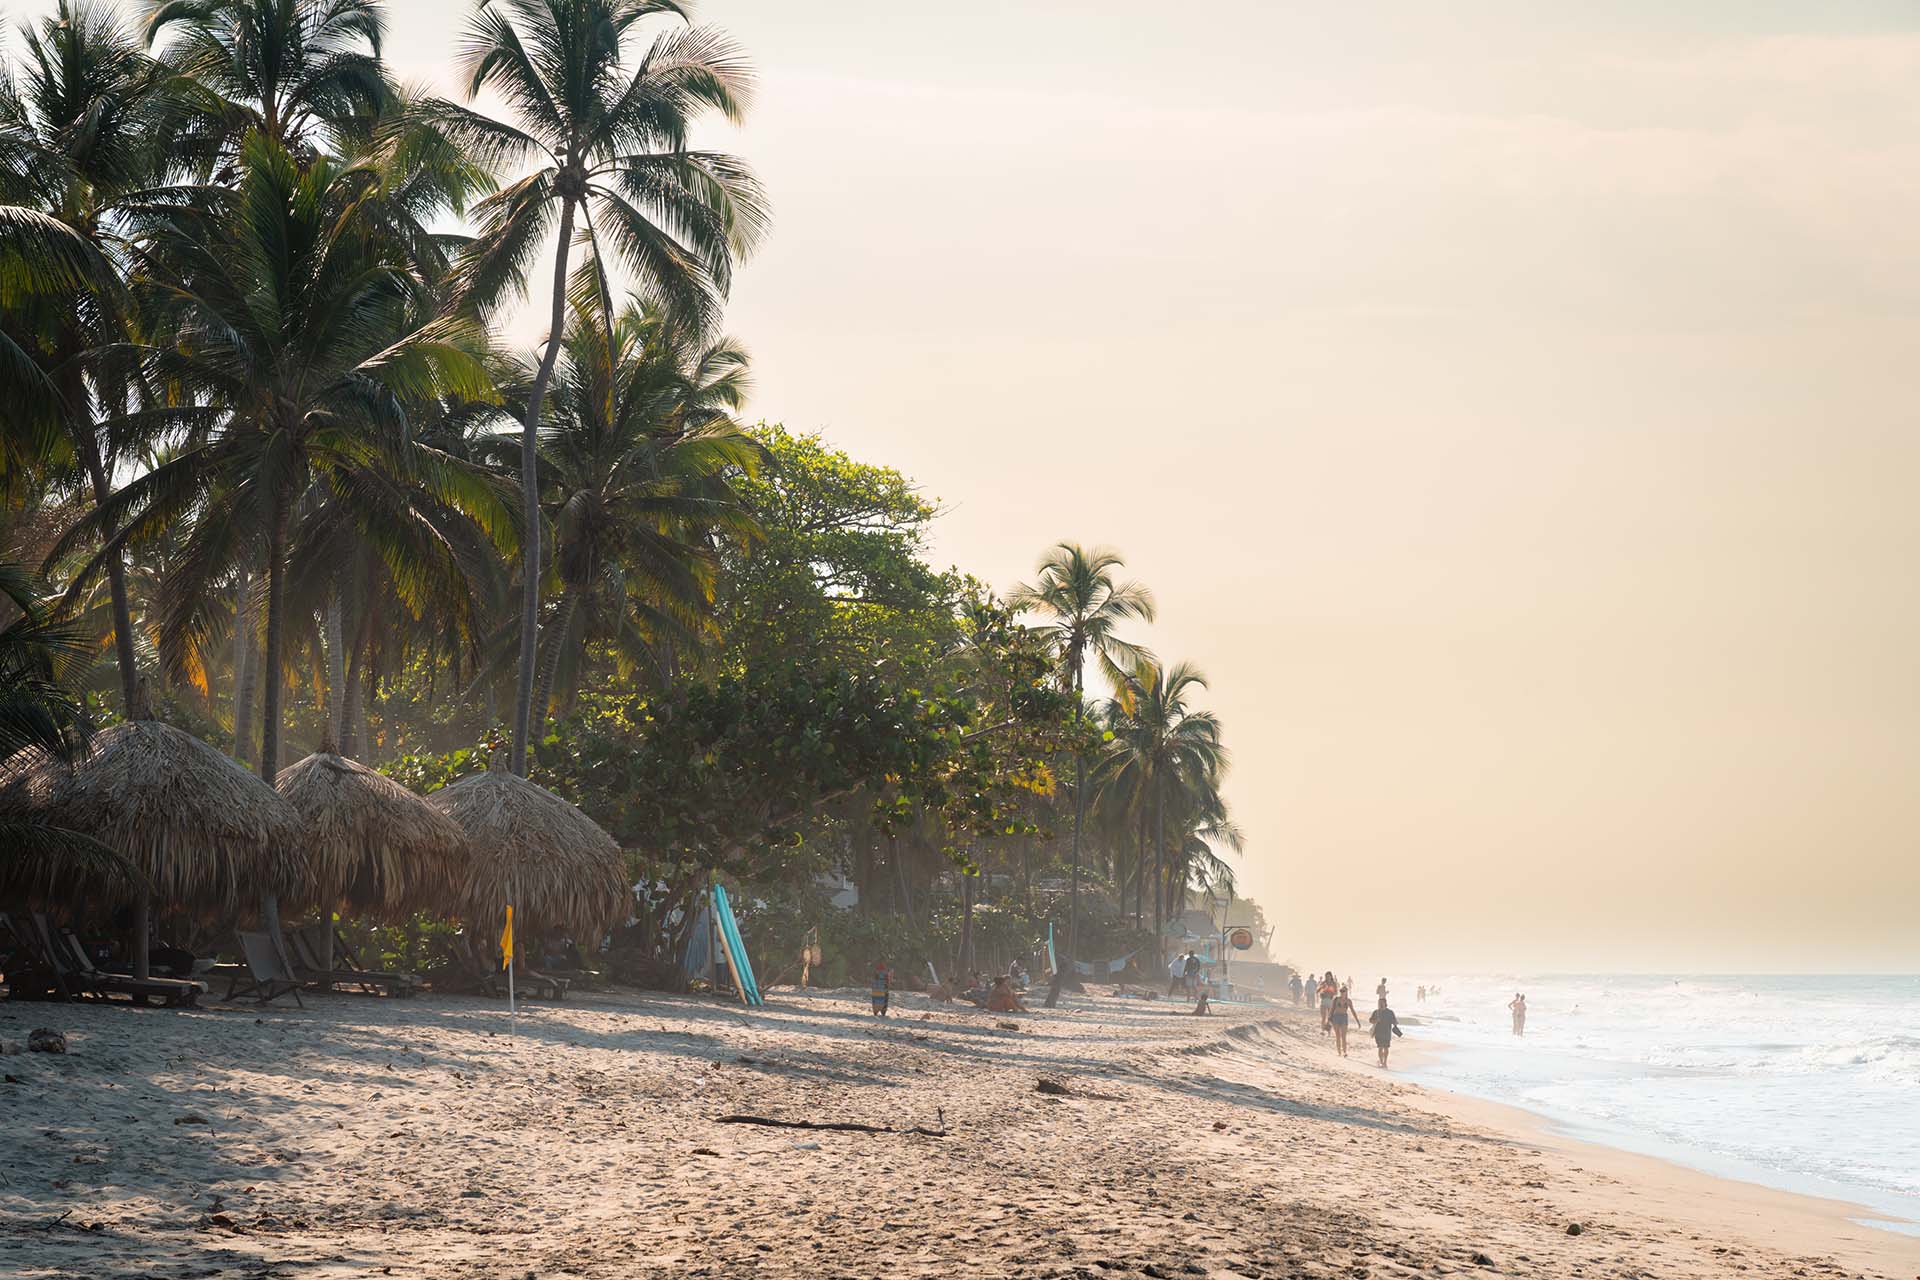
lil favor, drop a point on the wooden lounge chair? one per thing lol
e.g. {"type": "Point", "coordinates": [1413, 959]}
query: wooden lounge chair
{"type": "Point", "coordinates": [308, 950]}
{"type": "Point", "coordinates": [267, 974]}
{"type": "Point", "coordinates": [76, 968]}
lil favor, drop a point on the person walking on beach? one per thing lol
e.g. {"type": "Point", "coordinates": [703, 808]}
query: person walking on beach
{"type": "Point", "coordinates": [1385, 1027]}
{"type": "Point", "coordinates": [1297, 987]}
{"type": "Point", "coordinates": [1328, 990]}
{"type": "Point", "coordinates": [1193, 972]}
{"type": "Point", "coordinates": [1177, 972]}
{"type": "Point", "coordinates": [1519, 1007]}
{"type": "Point", "coordinates": [1420, 994]}
{"type": "Point", "coordinates": [1341, 1013]}
{"type": "Point", "coordinates": [1381, 990]}
{"type": "Point", "coordinates": [882, 987]}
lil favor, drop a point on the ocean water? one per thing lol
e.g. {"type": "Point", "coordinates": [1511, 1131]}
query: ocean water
{"type": "Point", "coordinates": [1810, 1084]}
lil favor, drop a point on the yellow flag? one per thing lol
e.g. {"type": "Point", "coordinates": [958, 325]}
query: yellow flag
{"type": "Point", "coordinates": [506, 938]}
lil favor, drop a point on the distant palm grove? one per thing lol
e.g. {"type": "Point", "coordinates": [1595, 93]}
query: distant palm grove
{"type": "Point", "coordinates": [273, 476]}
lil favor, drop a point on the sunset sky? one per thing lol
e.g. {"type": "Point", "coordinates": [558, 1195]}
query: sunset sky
{"type": "Point", "coordinates": [1511, 405]}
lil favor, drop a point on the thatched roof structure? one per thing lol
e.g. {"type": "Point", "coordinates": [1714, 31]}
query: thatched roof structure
{"type": "Point", "coordinates": [372, 846]}
{"type": "Point", "coordinates": [205, 832]}
{"type": "Point", "coordinates": [560, 869]}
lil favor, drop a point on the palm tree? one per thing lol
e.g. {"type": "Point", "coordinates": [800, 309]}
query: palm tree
{"type": "Point", "coordinates": [41, 709]}
{"type": "Point", "coordinates": [639, 442]}
{"type": "Point", "coordinates": [609, 141]}
{"type": "Point", "coordinates": [296, 71]}
{"type": "Point", "coordinates": [1084, 607]}
{"type": "Point", "coordinates": [77, 130]}
{"type": "Point", "coordinates": [297, 339]}
{"type": "Point", "coordinates": [1163, 752]}
{"type": "Point", "coordinates": [42, 712]}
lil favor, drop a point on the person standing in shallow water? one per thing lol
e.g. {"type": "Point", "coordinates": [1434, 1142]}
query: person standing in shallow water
{"type": "Point", "coordinates": [1385, 1027]}
{"type": "Point", "coordinates": [1342, 1012]}
{"type": "Point", "coordinates": [1518, 1005]}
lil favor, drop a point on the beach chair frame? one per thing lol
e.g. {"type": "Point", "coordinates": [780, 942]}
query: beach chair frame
{"type": "Point", "coordinates": [265, 973]}
{"type": "Point", "coordinates": [79, 976]}
{"type": "Point", "coordinates": [309, 965]}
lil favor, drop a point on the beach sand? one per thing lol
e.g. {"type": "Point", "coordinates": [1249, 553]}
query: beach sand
{"type": "Point", "coordinates": [365, 1137]}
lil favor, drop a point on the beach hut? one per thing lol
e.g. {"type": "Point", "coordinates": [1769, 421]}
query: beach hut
{"type": "Point", "coordinates": [373, 847]}
{"type": "Point", "coordinates": [530, 847]}
{"type": "Point", "coordinates": [203, 831]}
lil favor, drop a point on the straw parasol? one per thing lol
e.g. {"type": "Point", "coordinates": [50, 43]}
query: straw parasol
{"type": "Point", "coordinates": [559, 869]}
{"type": "Point", "coordinates": [373, 847]}
{"type": "Point", "coordinates": [201, 828]}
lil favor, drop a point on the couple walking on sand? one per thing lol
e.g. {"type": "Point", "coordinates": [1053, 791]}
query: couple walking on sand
{"type": "Point", "coordinates": [1337, 1010]}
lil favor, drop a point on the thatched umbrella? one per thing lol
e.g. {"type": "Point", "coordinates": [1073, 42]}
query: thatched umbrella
{"type": "Point", "coordinates": [532, 848]}
{"type": "Point", "coordinates": [201, 828]}
{"type": "Point", "coordinates": [373, 847]}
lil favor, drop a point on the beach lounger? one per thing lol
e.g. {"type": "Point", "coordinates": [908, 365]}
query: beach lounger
{"type": "Point", "coordinates": [307, 948]}
{"type": "Point", "coordinates": [76, 967]}
{"type": "Point", "coordinates": [267, 975]}
{"type": "Point", "coordinates": [30, 974]}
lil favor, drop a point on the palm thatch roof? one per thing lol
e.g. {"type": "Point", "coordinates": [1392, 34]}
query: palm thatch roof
{"type": "Point", "coordinates": [560, 870]}
{"type": "Point", "coordinates": [372, 846]}
{"type": "Point", "coordinates": [204, 831]}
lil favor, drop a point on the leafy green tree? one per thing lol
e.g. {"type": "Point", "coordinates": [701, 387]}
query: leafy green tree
{"type": "Point", "coordinates": [838, 572]}
{"type": "Point", "coordinates": [608, 141]}
{"type": "Point", "coordinates": [1083, 607]}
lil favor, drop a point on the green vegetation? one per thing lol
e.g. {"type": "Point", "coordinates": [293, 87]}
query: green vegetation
{"type": "Point", "coordinates": [266, 457]}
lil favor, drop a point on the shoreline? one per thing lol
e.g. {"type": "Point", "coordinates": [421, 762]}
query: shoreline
{"type": "Point", "coordinates": [418, 1139]}
{"type": "Point", "coordinates": [1779, 1217]}
{"type": "Point", "coordinates": [1554, 1129]}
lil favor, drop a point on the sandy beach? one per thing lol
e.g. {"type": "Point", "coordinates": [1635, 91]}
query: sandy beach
{"type": "Point", "coordinates": [364, 1137]}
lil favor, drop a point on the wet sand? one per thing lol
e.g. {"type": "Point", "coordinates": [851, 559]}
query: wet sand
{"type": "Point", "coordinates": [368, 1137]}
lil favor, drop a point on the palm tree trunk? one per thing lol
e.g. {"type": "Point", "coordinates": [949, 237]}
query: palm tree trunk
{"type": "Point", "coordinates": [336, 672]}
{"type": "Point", "coordinates": [530, 500]}
{"type": "Point", "coordinates": [355, 707]}
{"type": "Point", "coordinates": [116, 585]}
{"type": "Point", "coordinates": [550, 662]}
{"type": "Point", "coordinates": [1159, 846]}
{"type": "Point", "coordinates": [270, 695]}
{"type": "Point", "coordinates": [1140, 868]}
{"type": "Point", "coordinates": [245, 668]}
{"type": "Point", "coordinates": [1073, 892]}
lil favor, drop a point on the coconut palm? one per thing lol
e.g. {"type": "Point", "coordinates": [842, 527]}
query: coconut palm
{"type": "Point", "coordinates": [639, 442]}
{"type": "Point", "coordinates": [296, 71]}
{"type": "Point", "coordinates": [298, 337]}
{"type": "Point", "coordinates": [78, 120]}
{"type": "Point", "coordinates": [41, 709]}
{"type": "Point", "coordinates": [1083, 607]}
{"type": "Point", "coordinates": [1164, 754]}
{"type": "Point", "coordinates": [43, 716]}
{"type": "Point", "coordinates": [608, 139]}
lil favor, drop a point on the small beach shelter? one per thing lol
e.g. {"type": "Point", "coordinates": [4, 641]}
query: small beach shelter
{"type": "Point", "coordinates": [373, 847]}
{"type": "Point", "coordinates": [205, 832]}
{"type": "Point", "coordinates": [528, 846]}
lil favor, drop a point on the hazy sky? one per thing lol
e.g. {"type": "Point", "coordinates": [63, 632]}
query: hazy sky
{"type": "Point", "coordinates": [1510, 404]}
